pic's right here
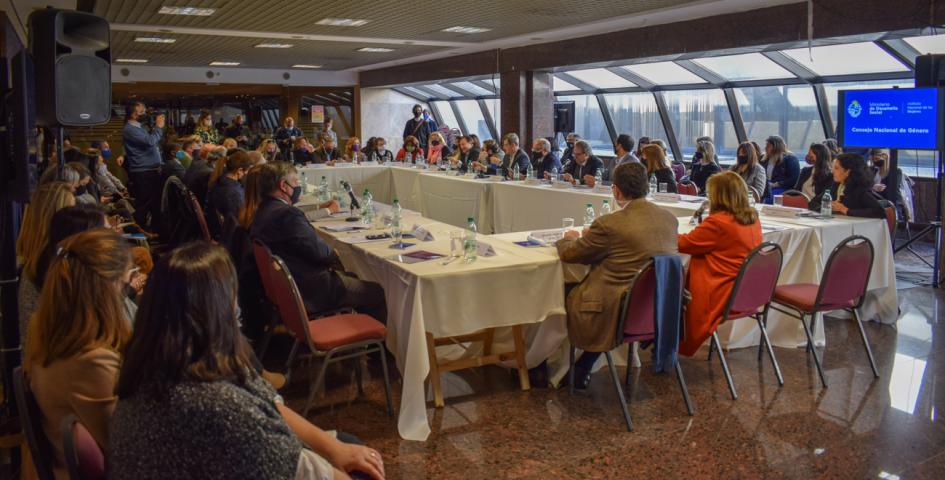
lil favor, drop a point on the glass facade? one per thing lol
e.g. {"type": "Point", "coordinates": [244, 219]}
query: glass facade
{"type": "Point", "coordinates": [788, 111]}
{"type": "Point", "coordinates": [635, 114]}
{"type": "Point", "coordinates": [472, 116]}
{"type": "Point", "coordinates": [701, 113]}
{"type": "Point", "coordinates": [589, 123]}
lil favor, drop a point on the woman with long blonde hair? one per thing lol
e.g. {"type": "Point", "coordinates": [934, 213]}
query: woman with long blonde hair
{"type": "Point", "coordinates": [718, 247]}
{"type": "Point", "coordinates": [47, 199]}
{"type": "Point", "coordinates": [77, 336]}
{"type": "Point", "coordinates": [437, 150]}
{"type": "Point", "coordinates": [353, 151]}
{"type": "Point", "coordinates": [654, 159]}
{"type": "Point", "coordinates": [205, 129]}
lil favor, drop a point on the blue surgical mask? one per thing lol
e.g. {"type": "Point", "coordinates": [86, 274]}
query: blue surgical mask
{"type": "Point", "coordinates": [181, 155]}
{"type": "Point", "coordinates": [106, 153]}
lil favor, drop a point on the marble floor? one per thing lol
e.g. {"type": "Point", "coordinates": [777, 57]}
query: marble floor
{"type": "Point", "coordinates": [860, 427]}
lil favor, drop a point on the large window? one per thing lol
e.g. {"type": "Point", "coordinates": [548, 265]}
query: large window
{"type": "Point", "coordinates": [665, 73]}
{"type": "Point", "coordinates": [446, 114]}
{"type": "Point", "coordinates": [748, 66]}
{"type": "Point", "coordinates": [787, 111]}
{"type": "Point", "coordinates": [472, 116]}
{"type": "Point", "coordinates": [701, 113]}
{"type": "Point", "coordinates": [589, 122]}
{"type": "Point", "coordinates": [846, 59]}
{"type": "Point", "coordinates": [601, 78]}
{"type": "Point", "coordinates": [560, 85]}
{"type": "Point", "coordinates": [493, 106]}
{"type": "Point", "coordinates": [636, 114]}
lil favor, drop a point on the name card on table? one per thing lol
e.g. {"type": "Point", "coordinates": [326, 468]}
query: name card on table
{"type": "Point", "coordinates": [485, 250]}
{"type": "Point", "coordinates": [602, 189]}
{"type": "Point", "coordinates": [341, 163]}
{"type": "Point", "coordinates": [372, 162]}
{"type": "Point", "coordinates": [422, 234]}
{"type": "Point", "coordinates": [562, 184]}
{"type": "Point", "coordinates": [532, 181]}
{"type": "Point", "coordinates": [781, 211]}
{"type": "Point", "coordinates": [666, 197]}
{"type": "Point", "coordinates": [420, 166]}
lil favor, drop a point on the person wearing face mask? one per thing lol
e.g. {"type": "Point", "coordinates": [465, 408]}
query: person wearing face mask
{"type": "Point", "coordinates": [108, 183]}
{"type": "Point", "coordinates": [173, 167]}
{"type": "Point", "coordinates": [285, 136]}
{"type": "Point", "coordinates": [703, 164]}
{"type": "Point", "coordinates": [438, 150]}
{"type": "Point", "coordinates": [543, 159]}
{"type": "Point", "coordinates": [568, 155]}
{"type": "Point", "coordinates": [353, 151]}
{"type": "Point", "coordinates": [410, 153]}
{"type": "Point", "coordinates": [419, 127]}
{"type": "Point", "coordinates": [380, 152]}
{"type": "Point", "coordinates": [326, 151]}
{"type": "Point", "coordinates": [143, 162]}
{"type": "Point", "coordinates": [205, 129]}
{"type": "Point", "coordinates": [270, 150]}
{"type": "Point", "coordinates": [515, 162]}
{"type": "Point", "coordinates": [746, 166]}
{"type": "Point", "coordinates": [617, 246]}
{"type": "Point", "coordinates": [226, 196]}
{"type": "Point", "coordinates": [886, 181]}
{"type": "Point", "coordinates": [289, 234]}
{"type": "Point", "coordinates": [583, 170]}
{"type": "Point", "coordinates": [86, 193]}
{"type": "Point", "coordinates": [816, 177]}
{"type": "Point", "coordinates": [116, 170]}
{"type": "Point", "coordinates": [623, 149]}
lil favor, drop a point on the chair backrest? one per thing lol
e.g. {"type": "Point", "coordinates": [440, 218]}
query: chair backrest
{"type": "Point", "coordinates": [31, 420]}
{"type": "Point", "coordinates": [288, 300]}
{"type": "Point", "coordinates": [687, 188]}
{"type": "Point", "coordinates": [84, 458]}
{"type": "Point", "coordinates": [199, 216]}
{"type": "Point", "coordinates": [846, 275]}
{"type": "Point", "coordinates": [263, 257]}
{"type": "Point", "coordinates": [756, 281]}
{"type": "Point", "coordinates": [638, 308]}
{"type": "Point", "coordinates": [795, 198]}
{"type": "Point", "coordinates": [679, 171]}
{"type": "Point", "coordinates": [755, 194]}
{"type": "Point", "coordinates": [891, 217]}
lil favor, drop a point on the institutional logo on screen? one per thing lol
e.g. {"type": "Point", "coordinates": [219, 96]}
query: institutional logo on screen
{"type": "Point", "coordinates": [855, 109]}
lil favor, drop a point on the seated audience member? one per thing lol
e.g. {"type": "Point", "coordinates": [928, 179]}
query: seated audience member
{"type": "Point", "coordinates": [353, 151]}
{"type": "Point", "coordinates": [476, 143]}
{"type": "Point", "coordinates": [85, 191]}
{"type": "Point", "coordinates": [654, 158]}
{"type": "Point", "coordinates": [74, 342]}
{"type": "Point", "coordinates": [191, 401]}
{"type": "Point", "coordinates": [438, 150]}
{"type": "Point", "coordinates": [411, 152]}
{"type": "Point", "coordinates": [642, 142]}
{"type": "Point", "coordinates": [270, 151]}
{"type": "Point", "coordinates": [114, 163]}
{"type": "Point", "coordinates": [239, 132]}
{"type": "Point", "coordinates": [197, 177]}
{"type": "Point", "coordinates": [568, 155]}
{"type": "Point", "coordinates": [623, 149]}
{"type": "Point", "coordinates": [490, 158]}
{"type": "Point", "coordinates": [885, 180]}
{"type": "Point", "coordinates": [326, 151]}
{"type": "Point", "coordinates": [107, 183]}
{"type": "Point", "coordinates": [67, 174]}
{"type": "Point", "coordinates": [380, 153]}
{"type": "Point", "coordinates": [515, 162]}
{"type": "Point", "coordinates": [288, 233]}
{"type": "Point", "coordinates": [256, 158]}
{"type": "Point", "coordinates": [370, 147]}
{"type": "Point", "coordinates": [303, 153]}
{"type": "Point", "coordinates": [543, 159]}
{"type": "Point", "coordinates": [466, 154]}
{"type": "Point", "coordinates": [584, 167]}
{"type": "Point", "coordinates": [852, 188]}
{"type": "Point", "coordinates": [703, 165]}
{"type": "Point", "coordinates": [230, 143]}
{"type": "Point", "coordinates": [817, 176]}
{"type": "Point", "coordinates": [747, 167]}
{"type": "Point", "coordinates": [718, 247]}
{"type": "Point", "coordinates": [617, 246]}
{"type": "Point", "coordinates": [172, 166]}
{"type": "Point", "coordinates": [780, 165]}
{"type": "Point", "coordinates": [226, 194]}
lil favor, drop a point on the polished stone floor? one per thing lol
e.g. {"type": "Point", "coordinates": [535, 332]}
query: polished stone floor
{"type": "Point", "coordinates": [860, 427]}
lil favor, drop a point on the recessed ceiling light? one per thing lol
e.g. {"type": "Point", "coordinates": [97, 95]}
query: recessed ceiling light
{"type": "Point", "coordinates": [302, 65]}
{"type": "Point", "coordinates": [459, 29]}
{"type": "Point", "coordinates": [155, 40]}
{"type": "Point", "coordinates": [131, 60]}
{"type": "Point", "coordinates": [342, 22]}
{"type": "Point", "coordinates": [274, 45]}
{"type": "Point", "coordinates": [193, 11]}
{"type": "Point", "coordinates": [224, 64]}
{"type": "Point", "coordinates": [375, 49]}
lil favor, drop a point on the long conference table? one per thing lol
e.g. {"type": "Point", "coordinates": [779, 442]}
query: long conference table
{"type": "Point", "coordinates": [522, 286]}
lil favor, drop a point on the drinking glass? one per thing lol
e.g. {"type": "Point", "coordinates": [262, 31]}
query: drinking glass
{"type": "Point", "coordinates": [456, 243]}
{"type": "Point", "coordinates": [662, 187]}
{"type": "Point", "coordinates": [779, 199]}
{"type": "Point", "coordinates": [567, 223]}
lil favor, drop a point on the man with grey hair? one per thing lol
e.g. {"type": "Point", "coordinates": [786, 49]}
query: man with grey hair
{"type": "Point", "coordinates": [543, 159]}
{"type": "Point", "coordinates": [515, 163]}
{"type": "Point", "coordinates": [585, 165]}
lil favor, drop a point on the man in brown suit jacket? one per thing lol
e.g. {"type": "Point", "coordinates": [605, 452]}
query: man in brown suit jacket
{"type": "Point", "coordinates": [617, 246]}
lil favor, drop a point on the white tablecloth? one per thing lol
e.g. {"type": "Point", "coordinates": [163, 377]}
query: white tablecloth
{"type": "Point", "coordinates": [373, 177]}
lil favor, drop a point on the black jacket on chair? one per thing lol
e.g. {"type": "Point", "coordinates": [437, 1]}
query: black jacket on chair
{"type": "Point", "coordinates": [224, 202]}
{"type": "Point", "coordinates": [285, 230]}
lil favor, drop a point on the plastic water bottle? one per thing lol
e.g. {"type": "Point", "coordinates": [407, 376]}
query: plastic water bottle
{"type": "Point", "coordinates": [420, 160]}
{"type": "Point", "coordinates": [367, 208]}
{"type": "Point", "coordinates": [395, 213]}
{"type": "Point", "coordinates": [470, 245]}
{"type": "Point", "coordinates": [342, 195]}
{"type": "Point", "coordinates": [323, 189]}
{"type": "Point", "coordinates": [598, 178]}
{"type": "Point", "coordinates": [826, 205]}
{"type": "Point", "coordinates": [529, 171]}
{"type": "Point", "coordinates": [554, 174]}
{"type": "Point", "coordinates": [605, 208]}
{"type": "Point", "coordinates": [589, 215]}
{"type": "Point", "coordinates": [304, 183]}
{"type": "Point", "coordinates": [652, 184]}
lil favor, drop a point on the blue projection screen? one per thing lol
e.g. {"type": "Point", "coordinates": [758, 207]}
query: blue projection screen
{"type": "Point", "coordinates": [906, 118]}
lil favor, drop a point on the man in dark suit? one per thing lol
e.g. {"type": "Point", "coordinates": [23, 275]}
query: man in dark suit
{"type": "Point", "coordinates": [467, 154]}
{"type": "Point", "coordinates": [585, 165]}
{"type": "Point", "coordinates": [326, 151]}
{"type": "Point", "coordinates": [285, 230]}
{"type": "Point", "coordinates": [543, 159]}
{"type": "Point", "coordinates": [515, 163]}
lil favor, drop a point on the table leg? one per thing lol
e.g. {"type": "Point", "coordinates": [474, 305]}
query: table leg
{"type": "Point", "coordinates": [520, 357]}
{"type": "Point", "coordinates": [434, 372]}
{"type": "Point", "coordinates": [488, 336]}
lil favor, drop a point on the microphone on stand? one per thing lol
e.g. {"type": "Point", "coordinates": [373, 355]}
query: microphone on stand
{"type": "Point", "coordinates": [354, 199]}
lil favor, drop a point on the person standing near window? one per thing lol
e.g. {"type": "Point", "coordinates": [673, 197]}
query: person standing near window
{"type": "Point", "coordinates": [143, 161]}
{"type": "Point", "coordinates": [419, 127]}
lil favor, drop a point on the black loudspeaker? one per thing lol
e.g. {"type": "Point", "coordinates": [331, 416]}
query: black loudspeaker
{"type": "Point", "coordinates": [930, 71]}
{"type": "Point", "coordinates": [564, 117]}
{"type": "Point", "coordinates": [72, 54]}
{"type": "Point", "coordinates": [17, 171]}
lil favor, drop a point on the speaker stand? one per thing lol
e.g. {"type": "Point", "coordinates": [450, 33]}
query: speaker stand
{"type": "Point", "coordinates": [934, 227]}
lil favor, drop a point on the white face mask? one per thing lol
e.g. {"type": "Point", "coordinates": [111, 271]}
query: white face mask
{"type": "Point", "coordinates": [101, 169]}
{"type": "Point", "coordinates": [381, 150]}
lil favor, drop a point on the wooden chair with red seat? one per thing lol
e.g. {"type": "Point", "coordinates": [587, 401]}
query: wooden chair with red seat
{"type": "Point", "coordinates": [31, 420]}
{"type": "Point", "coordinates": [795, 199]}
{"type": "Point", "coordinates": [842, 287]}
{"type": "Point", "coordinates": [199, 216]}
{"type": "Point", "coordinates": [84, 458]}
{"type": "Point", "coordinates": [751, 298]}
{"type": "Point", "coordinates": [892, 220]}
{"type": "Point", "coordinates": [332, 336]}
{"type": "Point", "coordinates": [686, 187]}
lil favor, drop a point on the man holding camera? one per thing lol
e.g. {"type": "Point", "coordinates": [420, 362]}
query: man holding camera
{"type": "Point", "coordinates": [143, 162]}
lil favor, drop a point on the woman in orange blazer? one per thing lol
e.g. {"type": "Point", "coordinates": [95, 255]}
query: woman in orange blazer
{"type": "Point", "coordinates": [718, 247]}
